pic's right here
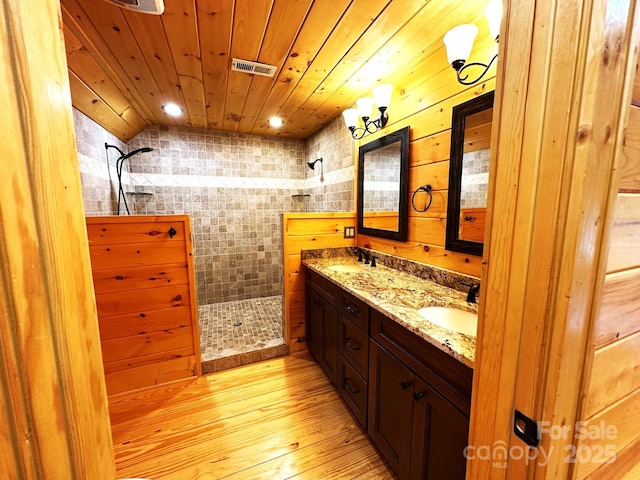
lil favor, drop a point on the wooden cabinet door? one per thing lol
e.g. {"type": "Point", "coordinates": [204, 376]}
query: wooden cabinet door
{"type": "Point", "coordinates": [330, 341]}
{"type": "Point", "coordinates": [391, 387]}
{"type": "Point", "coordinates": [440, 434]}
{"type": "Point", "coordinates": [322, 333]}
{"type": "Point", "coordinates": [314, 323]}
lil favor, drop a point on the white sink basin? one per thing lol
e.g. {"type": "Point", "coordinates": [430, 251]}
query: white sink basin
{"type": "Point", "coordinates": [347, 268]}
{"type": "Point", "coordinates": [452, 319]}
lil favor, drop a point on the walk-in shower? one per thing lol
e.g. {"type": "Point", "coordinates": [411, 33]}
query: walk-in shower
{"type": "Point", "coordinates": [236, 222]}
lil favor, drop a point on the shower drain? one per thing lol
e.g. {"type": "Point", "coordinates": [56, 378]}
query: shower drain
{"type": "Point", "coordinates": [237, 324]}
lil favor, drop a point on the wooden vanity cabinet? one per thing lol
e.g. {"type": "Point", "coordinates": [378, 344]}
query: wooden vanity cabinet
{"type": "Point", "coordinates": [412, 398]}
{"type": "Point", "coordinates": [418, 414]}
{"type": "Point", "coordinates": [338, 338]}
{"type": "Point", "coordinates": [322, 333]}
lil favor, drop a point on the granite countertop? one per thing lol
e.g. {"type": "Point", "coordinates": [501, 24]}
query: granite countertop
{"type": "Point", "coordinates": [399, 295]}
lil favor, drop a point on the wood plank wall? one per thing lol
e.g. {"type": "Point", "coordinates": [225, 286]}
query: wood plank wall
{"type": "Point", "coordinates": [145, 295]}
{"type": "Point", "coordinates": [306, 231]}
{"type": "Point", "coordinates": [612, 391]}
{"type": "Point", "coordinates": [54, 418]}
{"type": "Point", "coordinates": [558, 139]}
{"type": "Point", "coordinates": [427, 110]}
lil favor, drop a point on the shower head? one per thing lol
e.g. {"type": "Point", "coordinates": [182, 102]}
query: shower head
{"type": "Point", "coordinates": [138, 150]}
{"type": "Point", "coordinates": [312, 165]}
{"type": "Point", "coordinates": [124, 156]}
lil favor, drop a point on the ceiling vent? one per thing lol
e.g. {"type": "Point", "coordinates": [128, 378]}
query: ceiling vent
{"type": "Point", "coordinates": [254, 68]}
{"type": "Point", "coordinates": [154, 7]}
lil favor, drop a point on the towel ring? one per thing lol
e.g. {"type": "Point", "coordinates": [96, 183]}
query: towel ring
{"type": "Point", "coordinates": [425, 188]}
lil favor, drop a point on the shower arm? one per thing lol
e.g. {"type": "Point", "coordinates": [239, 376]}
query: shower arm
{"type": "Point", "coordinates": [312, 166]}
{"type": "Point", "coordinates": [119, 165]}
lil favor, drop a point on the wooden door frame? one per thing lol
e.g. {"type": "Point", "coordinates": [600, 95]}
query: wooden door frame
{"type": "Point", "coordinates": [53, 403]}
{"type": "Point", "coordinates": [562, 97]}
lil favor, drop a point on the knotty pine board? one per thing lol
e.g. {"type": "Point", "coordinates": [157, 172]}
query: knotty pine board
{"type": "Point", "coordinates": [140, 323]}
{"type": "Point", "coordinates": [619, 313]}
{"type": "Point", "coordinates": [614, 374]}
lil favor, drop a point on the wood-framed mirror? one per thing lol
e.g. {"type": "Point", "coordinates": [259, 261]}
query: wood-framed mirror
{"type": "Point", "coordinates": [469, 174]}
{"type": "Point", "coordinates": [383, 186]}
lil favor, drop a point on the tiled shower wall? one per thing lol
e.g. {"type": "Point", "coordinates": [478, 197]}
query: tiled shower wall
{"type": "Point", "coordinates": [97, 166]}
{"type": "Point", "coordinates": [336, 147]}
{"type": "Point", "coordinates": [235, 187]}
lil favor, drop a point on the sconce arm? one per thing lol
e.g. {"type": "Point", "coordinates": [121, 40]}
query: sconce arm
{"type": "Point", "coordinates": [462, 68]}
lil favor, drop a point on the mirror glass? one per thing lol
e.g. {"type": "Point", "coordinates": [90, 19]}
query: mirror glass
{"type": "Point", "coordinates": [383, 166]}
{"type": "Point", "coordinates": [469, 174]}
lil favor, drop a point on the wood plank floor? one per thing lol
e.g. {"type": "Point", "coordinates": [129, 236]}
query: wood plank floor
{"type": "Point", "coordinates": [278, 419]}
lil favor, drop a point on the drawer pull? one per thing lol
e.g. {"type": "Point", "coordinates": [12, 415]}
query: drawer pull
{"type": "Point", "coordinates": [352, 346]}
{"type": "Point", "coordinates": [350, 387]}
{"type": "Point", "coordinates": [351, 309]}
{"type": "Point", "coordinates": [405, 385]}
{"type": "Point", "coordinates": [418, 396]}
{"type": "Point", "coordinates": [172, 232]}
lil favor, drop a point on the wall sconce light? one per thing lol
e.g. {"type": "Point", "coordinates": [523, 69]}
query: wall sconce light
{"type": "Point", "coordinates": [381, 98]}
{"type": "Point", "coordinates": [459, 42]}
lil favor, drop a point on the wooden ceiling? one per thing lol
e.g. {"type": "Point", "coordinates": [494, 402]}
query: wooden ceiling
{"type": "Point", "coordinates": [123, 65]}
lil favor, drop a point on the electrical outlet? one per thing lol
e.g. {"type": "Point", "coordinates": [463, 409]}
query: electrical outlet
{"type": "Point", "coordinates": [349, 232]}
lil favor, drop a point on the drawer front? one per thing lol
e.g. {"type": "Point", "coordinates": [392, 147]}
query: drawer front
{"type": "Point", "coordinates": [321, 285]}
{"type": "Point", "coordinates": [353, 389]}
{"type": "Point", "coordinates": [353, 343]}
{"type": "Point", "coordinates": [355, 310]}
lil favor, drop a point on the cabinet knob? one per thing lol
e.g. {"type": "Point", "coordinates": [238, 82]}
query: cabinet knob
{"type": "Point", "coordinates": [350, 387]}
{"type": "Point", "coordinates": [351, 309]}
{"type": "Point", "coordinates": [405, 385]}
{"type": "Point", "coordinates": [352, 346]}
{"type": "Point", "coordinates": [418, 396]}
{"type": "Point", "coordinates": [172, 232]}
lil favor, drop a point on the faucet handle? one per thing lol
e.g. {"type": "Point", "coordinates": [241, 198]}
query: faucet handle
{"type": "Point", "coordinates": [474, 289]}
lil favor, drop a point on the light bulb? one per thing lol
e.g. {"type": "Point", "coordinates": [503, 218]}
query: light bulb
{"type": "Point", "coordinates": [350, 117]}
{"type": "Point", "coordinates": [493, 12]}
{"type": "Point", "coordinates": [276, 122]}
{"type": "Point", "coordinates": [382, 95]}
{"type": "Point", "coordinates": [172, 109]}
{"type": "Point", "coordinates": [365, 106]}
{"type": "Point", "coordinates": [459, 42]}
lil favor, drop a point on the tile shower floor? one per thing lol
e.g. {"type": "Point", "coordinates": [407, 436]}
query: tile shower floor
{"type": "Point", "coordinates": [239, 327]}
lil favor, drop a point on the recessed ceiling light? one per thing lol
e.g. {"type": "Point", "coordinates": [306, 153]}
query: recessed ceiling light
{"type": "Point", "coordinates": [276, 122]}
{"type": "Point", "coordinates": [172, 109]}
